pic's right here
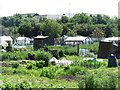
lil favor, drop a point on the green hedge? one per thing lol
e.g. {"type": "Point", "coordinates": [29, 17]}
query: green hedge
{"type": "Point", "coordinates": [23, 55]}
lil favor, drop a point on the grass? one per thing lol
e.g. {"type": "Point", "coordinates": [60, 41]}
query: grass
{"type": "Point", "coordinates": [33, 76]}
{"type": "Point", "coordinates": [39, 82]}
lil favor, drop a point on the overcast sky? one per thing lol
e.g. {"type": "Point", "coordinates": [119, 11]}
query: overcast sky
{"type": "Point", "coordinates": [10, 7]}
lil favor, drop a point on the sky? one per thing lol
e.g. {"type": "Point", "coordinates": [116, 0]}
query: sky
{"type": "Point", "coordinates": [42, 7]}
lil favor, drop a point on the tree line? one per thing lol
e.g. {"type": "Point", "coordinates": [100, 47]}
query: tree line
{"type": "Point", "coordinates": [80, 24]}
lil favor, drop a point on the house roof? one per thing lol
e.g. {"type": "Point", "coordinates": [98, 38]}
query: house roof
{"type": "Point", "coordinates": [112, 39]}
{"type": "Point", "coordinates": [75, 39]}
{"type": "Point", "coordinates": [6, 38]}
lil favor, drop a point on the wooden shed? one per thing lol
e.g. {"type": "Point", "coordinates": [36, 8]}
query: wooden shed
{"type": "Point", "coordinates": [40, 41]}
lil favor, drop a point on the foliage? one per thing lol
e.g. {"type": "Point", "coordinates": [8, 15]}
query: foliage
{"type": "Point", "coordinates": [80, 24]}
{"type": "Point", "coordinates": [29, 66]}
{"type": "Point", "coordinates": [52, 28]}
{"type": "Point", "coordinates": [71, 33]}
{"type": "Point", "coordinates": [20, 55]}
{"type": "Point", "coordinates": [67, 50]}
{"type": "Point", "coordinates": [89, 64]}
{"type": "Point", "coordinates": [42, 55]}
{"type": "Point", "coordinates": [61, 53]}
{"type": "Point", "coordinates": [98, 79]}
{"type": "Point", "coordinates": [98, 33]}
{"type": "Point", "coordinates": [40, 64]}
{"type": "Point", "coordinates": [15, 65]}
{"type": "Point", "coordinates": [21, 84]}
{"type": "Point", "coordinates": [92, 47]}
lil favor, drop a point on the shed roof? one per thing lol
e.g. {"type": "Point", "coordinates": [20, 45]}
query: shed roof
{"type": "Point", "coordinates": [6, 38]}
{"type": "Point", "coordinates": [21, 38]}
{"type": "Point", "coordinates": [75, 39]}
{"type": "Point", "coordinates": [112, 39]}
{"type": "Point", "coordinates": [40, 36]}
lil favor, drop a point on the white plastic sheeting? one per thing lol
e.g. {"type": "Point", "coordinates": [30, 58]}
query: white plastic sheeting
{"type": "Point", "coordinates": [61, 62]}
{"type": "Point", "coordinates": [92, 59]}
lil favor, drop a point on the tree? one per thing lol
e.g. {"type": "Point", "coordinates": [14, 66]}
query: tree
{"type": "Point", "coordinates": [100, 19]}
{"type": "Point", "coordinates": [52, 28]}
{"type": "Point", "coordinates": [64, 19]}
{"type": "Point", "coordinates": [25, 29]}
{"type": "Point", "coordinates": [30, 27]}
{"type": "Point", "coordinates": [81, 18]}
{"type": "Point", "coordinates": [71, 33]}
{"type": "Point", "coordinates": [12, 20]}
{"type": "Point", "coordinates": [67, 27]}
{"type": "Point", "coordinates": [98, 33]}
{"type": "Point", "coordinates": [84, 29]}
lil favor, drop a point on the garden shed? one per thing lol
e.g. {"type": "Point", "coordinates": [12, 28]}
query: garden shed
{"type": "Point", "coordinates": [7, 39]}
{"type": "Point", "coordinates": [77, 40]}
{"type": "Point", "coordinates": [40, 41]}
{"type": "Point", "coordinates": [108, 47]}
{"type": "Point", "coordinates": [22, 40]}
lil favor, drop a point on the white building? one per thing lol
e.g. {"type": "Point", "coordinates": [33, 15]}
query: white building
{"type": "Point", "coordinates": [22, 40]}
{"type": "Point", "coordinates": [78, 40]}
{"type": "Point", "coordinates": [6, 39]}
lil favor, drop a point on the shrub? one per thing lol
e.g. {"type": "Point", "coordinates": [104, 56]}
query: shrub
{"type": "Point", "coordinates": [61, 53]}
{"type": "Point", "coordinates": [9, 48]}
{"type": "Point", "coordinates": [55, 53]}
{"type": "Point", "coordinates": [8, 86]}
{"type": "Point", "coordinates": [23, 84]}
{"type": "Point", "coordinates": [40, 64]}
{"type": "Point", "coordinates": [66, 68]}
{"type": "Point", "coordinates": [15, 65]}
{"type": "Point", "coordinates": [29, 66]}
{"type": "Point", "coordinates": [42, 55]}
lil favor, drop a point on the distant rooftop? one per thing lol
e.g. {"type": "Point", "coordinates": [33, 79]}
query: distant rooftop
{"type": "Point", "coordinates": [49, 16]}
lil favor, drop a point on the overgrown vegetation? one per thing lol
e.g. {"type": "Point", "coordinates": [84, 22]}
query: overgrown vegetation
{"type": "Point", "coordinates": [34, 70]}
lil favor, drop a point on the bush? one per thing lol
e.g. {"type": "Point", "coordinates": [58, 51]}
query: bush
{"type": "Point", "coordinates": [40, 64]}
{"type": "Point", "coordinates": [42, 55]}
{"type": "Point", "coordinates": [23, 84]}
{"type": "Point", "coordinates": [29, 66]}
{"type": "Point", "coordinates": [55, 53]}
{"type": "Point", "coordinates": [9, 48]}
{"type": "Point", "coordinates": [61, 53]}
{"type": "Point", "coordinates": [20, 55]}
{"type": "Point", "coordinates": [15, 65]}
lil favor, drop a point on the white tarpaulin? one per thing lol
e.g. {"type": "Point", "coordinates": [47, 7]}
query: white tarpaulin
{"type": "Point", "coordinates": [61, 62]}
